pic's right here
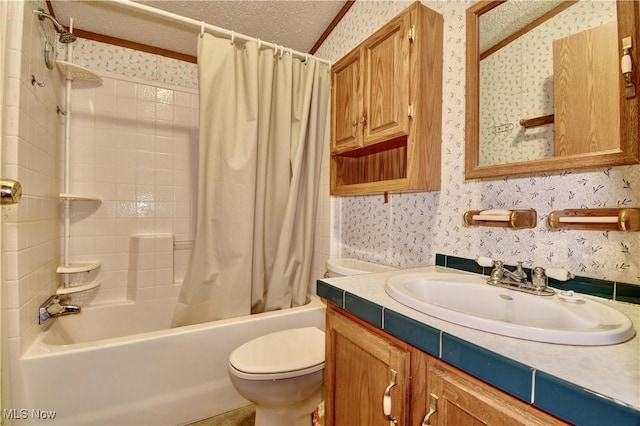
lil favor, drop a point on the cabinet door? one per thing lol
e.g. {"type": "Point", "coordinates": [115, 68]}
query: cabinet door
{"type": "Point", "coordinates": [386, 82]}
{"type": "Point", "coordinates": [357, 372]}
{"type": "Point", "coordinates": [464, 400]}
{"type": "Point", "coordinates": [346, 104]}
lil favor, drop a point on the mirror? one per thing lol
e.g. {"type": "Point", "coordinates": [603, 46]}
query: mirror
{"type": "Point", "coordinates": [527, 86]}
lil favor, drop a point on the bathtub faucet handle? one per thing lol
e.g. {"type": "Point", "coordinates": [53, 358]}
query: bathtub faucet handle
{"type": "Point", "coordinates": [56, 306]}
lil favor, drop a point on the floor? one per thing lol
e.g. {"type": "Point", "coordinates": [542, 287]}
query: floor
{"type": "Point", "coordinates": [245, 416]}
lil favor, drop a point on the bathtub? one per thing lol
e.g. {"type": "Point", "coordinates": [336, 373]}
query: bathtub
{"type": "Point", "coordinates": [121, 364]}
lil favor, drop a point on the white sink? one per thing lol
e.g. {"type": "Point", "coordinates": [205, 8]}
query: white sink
{"type": "Point", "coordinates": [467, 300]}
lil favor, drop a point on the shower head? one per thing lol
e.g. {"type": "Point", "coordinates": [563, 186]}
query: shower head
{"type": "Point", "coordinates": [65, 36]}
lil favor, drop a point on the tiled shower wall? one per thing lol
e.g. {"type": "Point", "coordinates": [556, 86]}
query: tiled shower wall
{"type": "Point", "coordinates": [134, 145]}
{"type": "Point", "coordinates": [31, 154]}
{"type": "Point", "coordinates": [412, 228]}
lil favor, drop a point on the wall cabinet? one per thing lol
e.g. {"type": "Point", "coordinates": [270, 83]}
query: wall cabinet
{"type": "Point", "coordinates": [358, 361]}
{"type": "Point", "coordinates": [386, 108]}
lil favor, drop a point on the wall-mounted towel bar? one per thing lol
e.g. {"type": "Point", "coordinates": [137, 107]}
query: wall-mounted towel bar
{"type": "Point", "coordinates": [516, 219]}
{"type": "Point", "coordinates": [607, 219]}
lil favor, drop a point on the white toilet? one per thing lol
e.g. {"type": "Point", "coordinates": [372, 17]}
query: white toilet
{"type": "Point", "coordinates": [282, 374]}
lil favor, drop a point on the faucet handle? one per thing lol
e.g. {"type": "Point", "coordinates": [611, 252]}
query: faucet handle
{"type": "Point", "coordinates": [559, 274]}
{"type": "Point", "coordinates": [538, 278]}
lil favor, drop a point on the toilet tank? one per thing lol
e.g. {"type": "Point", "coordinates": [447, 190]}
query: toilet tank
{"type": "Point", "coordinates": [339, 267]}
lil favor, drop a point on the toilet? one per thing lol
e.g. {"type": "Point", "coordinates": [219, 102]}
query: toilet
{"type": "Point", "coordinates": [282, 374]}
{"type": "Point", "coordinates": [343, 266]}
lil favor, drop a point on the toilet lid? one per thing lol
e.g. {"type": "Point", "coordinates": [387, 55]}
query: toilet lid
{"type": "Point", "coordinates": [280, 352]}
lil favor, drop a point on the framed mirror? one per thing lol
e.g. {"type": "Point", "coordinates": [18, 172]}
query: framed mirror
{"type": "Point", "coordinates": [544, 87]}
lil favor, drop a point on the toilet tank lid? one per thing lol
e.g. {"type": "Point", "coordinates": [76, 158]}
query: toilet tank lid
{"type": "Point", "coordinates": [347, 266]}
{"type": "Point", "coordinates": [282, 351]}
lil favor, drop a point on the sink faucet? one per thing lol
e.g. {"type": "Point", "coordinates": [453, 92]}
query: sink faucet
{"type": "Point", "coordinates": [502, 275]}
{"type": "Point", "coordinates": [56, 306]}
{"type": "Point", "coordinates": [517, 280]}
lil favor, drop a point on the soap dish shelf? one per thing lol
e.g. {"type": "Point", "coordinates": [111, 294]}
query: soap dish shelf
{"type": "Point", "coordinates": [74, 268]}
{"type": "Point", "coordinates": [67, 196]}
{"type": "Point", "coordinates": [606, 219]}
{"type": "Point", "coordinates": [78, 288]}
{"type": "Point", "coordinates": [515, 219]}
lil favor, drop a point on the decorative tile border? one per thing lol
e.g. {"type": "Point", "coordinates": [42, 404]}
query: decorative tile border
{"type": "Point", "coordinates": [562, 398]}
{"type": "Point", "coordinates": [618, 291]}
{"type": "Point", "coordinates": [420, 335]}
{"type": "Point", "coordinates": [510, 376]}
{"type": "Point", "coordinates": [544, 391]}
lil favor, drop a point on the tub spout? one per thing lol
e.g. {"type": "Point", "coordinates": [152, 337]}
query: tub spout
{"type": "Point", "coordinates": [56, 306]}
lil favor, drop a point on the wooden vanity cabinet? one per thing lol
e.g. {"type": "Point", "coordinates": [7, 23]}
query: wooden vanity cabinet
{"type": "Point", "coordinates": [358, 367]}
{"type": "Point", "coordinates": [359, 358]}
{"type": "Point", "coordinates": [465, 400]}
{"type": "Point", "coordinates": [386, 108]}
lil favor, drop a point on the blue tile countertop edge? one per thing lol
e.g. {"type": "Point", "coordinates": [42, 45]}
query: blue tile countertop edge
{"type": "Point", "coordinates": [542, 390]}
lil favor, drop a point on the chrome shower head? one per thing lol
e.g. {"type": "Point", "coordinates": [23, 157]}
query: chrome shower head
{"type": "Point", "coordinates": [65, 36]}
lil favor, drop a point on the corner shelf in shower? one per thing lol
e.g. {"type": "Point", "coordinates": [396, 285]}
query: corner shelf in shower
{"type": "Point", "coordinates": [67, 196]}
{"type": "Point", "coordinates": [75, 268]}
{"type": "Point", "coordinates": [78, 288]}
{"type": "Point", "coordinates": [73, 71]}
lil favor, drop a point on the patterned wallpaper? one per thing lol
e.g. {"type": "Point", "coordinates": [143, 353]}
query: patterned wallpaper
{"type": "Point", "coordinates": [517, 82]}
{"type": "Point", "coordinates": [412, 228]}
{"type": "Point", "coordinates": [132, 63]}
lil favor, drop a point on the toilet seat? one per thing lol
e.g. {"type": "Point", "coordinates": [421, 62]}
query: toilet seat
{"type": "Point", "coordinates": [280, 355]}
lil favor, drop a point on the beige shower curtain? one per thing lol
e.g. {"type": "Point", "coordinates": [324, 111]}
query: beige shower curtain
{"type": "Point", "coordinates": [262, 130]}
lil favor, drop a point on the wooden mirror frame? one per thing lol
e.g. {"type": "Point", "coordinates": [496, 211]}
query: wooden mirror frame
{"type": "Point", "coordinates": [628, 15]}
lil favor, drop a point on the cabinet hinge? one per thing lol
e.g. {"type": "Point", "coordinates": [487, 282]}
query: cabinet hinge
{"type": "Point", "coordinates": [410, 111]}
{"type": "Point", "coordinates": [412, 32]}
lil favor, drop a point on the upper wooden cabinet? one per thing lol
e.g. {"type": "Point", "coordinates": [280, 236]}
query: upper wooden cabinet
{"type": "Point", "coordinates": [386, 108]}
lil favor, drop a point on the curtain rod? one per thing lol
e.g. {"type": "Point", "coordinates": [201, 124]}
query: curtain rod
{"type": "Point", "coordinates": [213, 29]}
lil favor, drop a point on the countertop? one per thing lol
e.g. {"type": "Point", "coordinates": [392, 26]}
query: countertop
{"type": "Point", "coordinates": [612, 371]}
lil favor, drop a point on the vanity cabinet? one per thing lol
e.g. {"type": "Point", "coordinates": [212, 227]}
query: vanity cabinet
{"type": "Point", "coordinates": [359, 365]}
{"type": "Point", "coordinates": [359, 358]}
{"type": "Point", "coordinates": [386, 108]}
{"type": "Point", "coordinates": [465, 400]}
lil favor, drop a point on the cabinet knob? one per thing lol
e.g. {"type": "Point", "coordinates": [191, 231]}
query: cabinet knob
{"type": "Point", "coordinates": [354, 123]}
{"type": "Point", "coordinates": [363, 119]}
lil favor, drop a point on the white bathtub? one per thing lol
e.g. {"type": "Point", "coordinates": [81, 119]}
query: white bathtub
{"type": "Point", "coordinates": [121, 365]}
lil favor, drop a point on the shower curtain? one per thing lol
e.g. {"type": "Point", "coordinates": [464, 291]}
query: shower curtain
{"type": "Point", "coordinates": [262, 129]}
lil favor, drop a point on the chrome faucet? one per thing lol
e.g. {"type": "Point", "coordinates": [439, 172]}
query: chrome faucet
{"type": "Point", "coordinates": [500, 274]}
{"type": "Point", "coordinates": [56, 306]}
{"type": "Point", "coordinates": [517, 280]}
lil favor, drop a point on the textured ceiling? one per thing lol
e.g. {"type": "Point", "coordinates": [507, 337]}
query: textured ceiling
{"type": "Point", "coordinates": [293, 24]}
{"type": "Point", "coordinates": [506, 19]}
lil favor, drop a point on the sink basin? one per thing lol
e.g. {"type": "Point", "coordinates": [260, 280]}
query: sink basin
{"type": "Point", "coordinates": [467, 300]}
